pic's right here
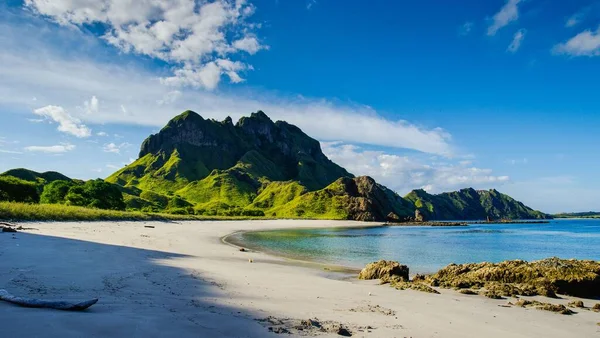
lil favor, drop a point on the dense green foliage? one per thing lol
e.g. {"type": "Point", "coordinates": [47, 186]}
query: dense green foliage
{"type": "Point", "coordinates": [55, 192]}
{"type": "Point", "coordinates": [471, 204]}
{"type": "Point", "coordinates": [95, 194]}
{"type": "Point", "coordinates": [13, 189]}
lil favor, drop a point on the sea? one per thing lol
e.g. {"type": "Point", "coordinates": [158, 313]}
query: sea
{"type": "Point", "coordinates": [428, 249]}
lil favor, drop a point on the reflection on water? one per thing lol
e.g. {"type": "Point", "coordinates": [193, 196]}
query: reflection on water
{"type": "Point", "coordinates": [427, 249]}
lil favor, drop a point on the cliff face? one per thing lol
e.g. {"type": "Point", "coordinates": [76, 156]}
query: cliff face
{"type": "Point", "coordinates": [283, 151]}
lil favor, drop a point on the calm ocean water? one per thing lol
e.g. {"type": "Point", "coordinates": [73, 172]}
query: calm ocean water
{"type": "Point", "coordinates": [427, 249]}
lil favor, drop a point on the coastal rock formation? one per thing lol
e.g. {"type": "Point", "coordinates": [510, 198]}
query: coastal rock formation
{"type": "Point", "coordinates": [384, 270]}
{"type": "Point", "coordinates": [548, 277]}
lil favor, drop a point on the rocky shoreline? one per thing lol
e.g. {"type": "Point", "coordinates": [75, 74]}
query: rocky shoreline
{"type": "Point", "coordinates": [548, 277]}
{"type": "Point", "coordinates": [461, 223]}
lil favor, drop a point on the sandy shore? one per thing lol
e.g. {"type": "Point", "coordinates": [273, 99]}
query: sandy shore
{"type": "Point", "coordinates": [178, 279]}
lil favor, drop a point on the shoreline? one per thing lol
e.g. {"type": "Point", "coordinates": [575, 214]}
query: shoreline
{"type": "Point", "coordinates": [179, 279]}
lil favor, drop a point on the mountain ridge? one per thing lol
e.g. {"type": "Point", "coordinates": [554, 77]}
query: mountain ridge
{"type": "Point", "coordinates": [257, 167]}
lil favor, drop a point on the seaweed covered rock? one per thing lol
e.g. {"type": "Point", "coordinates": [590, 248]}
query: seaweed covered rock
{"type": "Point", "coordinates": [384, 270]}
{"type": "Point", "coordinates": [558, 308]}
{"type": "Point", "coordinates": [579, 278]}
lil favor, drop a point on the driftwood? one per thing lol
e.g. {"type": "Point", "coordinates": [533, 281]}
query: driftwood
{"type": "Point", "coordinates": [38, 303]}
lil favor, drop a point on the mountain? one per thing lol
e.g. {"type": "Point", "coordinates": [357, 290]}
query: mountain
{"type": "Point", "coordinates": [35, 177]}
{"type": "Point", "coordinates": [216, 165]}
{"type": "Point", "coordinates": [471, 204]}
{"type": "Point", "coordinates": [255, 167]}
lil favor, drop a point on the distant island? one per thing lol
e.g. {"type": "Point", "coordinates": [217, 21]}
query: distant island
{"type": "Point", "coordinates": [588, 214]}
{"type": "Point", "coordinates": [253, 168]}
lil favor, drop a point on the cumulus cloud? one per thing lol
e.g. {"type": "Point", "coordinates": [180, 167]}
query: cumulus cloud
{"type": "Point", "coordinates": [138, 90]}
{"type": "Point", "coordinates": [103, 134]}
{"type": "Point", "coordinates": [507, 14]}
{"type": "Point", "coordinates": [586, 43]}
{"type": "Point", "coordinates": [115, 148]}
{"type": "Point", "coordinates": [66, 123]}
{"type": "Point", "coordinates": [516, 42]}
{"type": "Point", "coordinates": [57, 149]}
{"type": "Point", "coordinates": [189, 34]}
{"type": "Point", "coordinates": [404, 173]}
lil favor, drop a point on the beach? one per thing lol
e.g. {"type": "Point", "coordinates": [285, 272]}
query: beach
{"type": "Point", "coordinates": [158, 279]}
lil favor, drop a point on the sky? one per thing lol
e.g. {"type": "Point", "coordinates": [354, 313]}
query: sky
{"type": "Point", "coordinates": [436, 95]}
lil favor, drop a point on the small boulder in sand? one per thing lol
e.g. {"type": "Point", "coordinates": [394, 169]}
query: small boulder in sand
{"type": "Point", "coordinates": [596, 308]}
{"type": "Point", "coordinates": [576, 303]}
{"type": "Point", "coordinates": [384, 270]}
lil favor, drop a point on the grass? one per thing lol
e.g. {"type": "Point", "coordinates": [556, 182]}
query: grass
{"type": "Point", "coordinates": [12, 211]}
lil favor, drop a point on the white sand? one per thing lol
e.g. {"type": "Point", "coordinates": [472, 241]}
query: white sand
{"type": "Point", "coordinates": [180, 280]}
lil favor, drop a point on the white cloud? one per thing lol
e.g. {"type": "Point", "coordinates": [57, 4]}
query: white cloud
{"type": "Point", "coordinates": [405, 173]}
{"type": "Point", "coordinates": [576, 18]}
{"type": "Point", "coordinates": [52, 77]}
{"type": "Point", "coordinates": [192, 35]}
{"type": "Point", "coordinates": [115, 148]}
{"type": "Point", "coordinates": [518, 161]}
{"type": "Point", "coordinates": [10, 151]}
{"type": "Point", "coordinates": [168, 98]}
{"type": "Point", "coordinates": [103, 134]}
{"type": "Point", "coordinates": [507, 14]}
{"type": "Point", "coordinates": [586, 43]}
{"type": "Point", "coordinates": [466, 28]}
{"type": "Point", "coordinates": [66, 123]}
{"type": "Point", "coordinates": [517, 40]}
{"type": "Point", "coordinates": [112, 166]}
{"type": "Point", "coordinates": [57, 149]}
{"type": "Point", "coordinates": [310, 4]}
{"type": "Point", "coordinates": [249, 44]}
{"type": "Point", "coordinates": [91, 106]}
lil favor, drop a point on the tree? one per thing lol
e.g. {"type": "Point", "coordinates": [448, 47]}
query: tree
{"type": "Point", "coordinates": [56, 192]}
{"type": "Point", "coordinates": [96, 194]}
{"type": "Point", "coordinates": [13, 189]}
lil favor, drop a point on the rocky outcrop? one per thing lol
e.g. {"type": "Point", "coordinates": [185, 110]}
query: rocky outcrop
{"type": "Point", "coordinates": [369, 201]}
{"type": "Point", "coordinates": [384, 270]}
{"type": "Point", "coordinates": [548, 277]}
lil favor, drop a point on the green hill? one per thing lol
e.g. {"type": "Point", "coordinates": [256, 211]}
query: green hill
{"type": "Point", "coordinates": [471, 204]}
{"type": "Point", "coordinates": [35, 177]}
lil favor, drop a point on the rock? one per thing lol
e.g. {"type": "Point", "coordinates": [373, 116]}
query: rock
{"type": "Point", "coordinates": [384, 270]}
{"type": "Point", "coordinates": [468, 292]}
{"type": "Point", "coordinates": [242, 250]}
{"type": "Point", "coordinates": [576, 303]}
{"type": "Point", "coordinates": [7, 229]}
{"type": "Point", "coordinates": [419, 216]}
{"type": "Point", "coordinates": [342, 331]}
{"type": "Point", "coordinates": [596, 308]}
{"type": "Point", "coordinates": [558, 308]}
{"type": "Point", "coordinates": [578, 278]}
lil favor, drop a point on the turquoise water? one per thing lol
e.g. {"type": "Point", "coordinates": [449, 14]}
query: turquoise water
{"type": "Point", "coordinates": [427, 249]}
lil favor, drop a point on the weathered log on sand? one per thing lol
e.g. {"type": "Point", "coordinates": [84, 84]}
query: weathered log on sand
{"type": "Point", "coordinates": [38, 303]}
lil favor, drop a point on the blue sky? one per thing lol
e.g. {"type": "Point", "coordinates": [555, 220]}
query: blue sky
{"type": "Point", "coordinates": [430, 94]}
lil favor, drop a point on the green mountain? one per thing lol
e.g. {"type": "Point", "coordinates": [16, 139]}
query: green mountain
{"type": "Point", "coordinates": [255, 167]}
{"type": "Point", "coordinates": [217, 166]}
{"type": "Point", "coordinates": [35, 177]}
{"type": "Point", "coordinates": [471, 204]}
